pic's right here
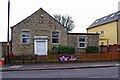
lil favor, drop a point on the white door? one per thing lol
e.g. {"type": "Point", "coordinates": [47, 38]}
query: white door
{"type": "Point", "coordinates": [41, 47]}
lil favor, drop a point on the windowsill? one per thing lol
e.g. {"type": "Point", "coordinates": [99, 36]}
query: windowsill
{"type": "Point", "coordinates": [82, 47]}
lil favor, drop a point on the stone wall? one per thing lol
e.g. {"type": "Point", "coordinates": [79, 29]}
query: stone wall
{"type": "Point", "coordinates": [39, 23]}
{"type": "Point", "coordinates": [91, 39]}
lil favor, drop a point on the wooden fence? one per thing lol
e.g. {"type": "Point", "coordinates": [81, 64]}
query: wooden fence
{"type": "Point", "coordinates": [54, 58]}
{"type": "Point", "coordinates": [110, 48]}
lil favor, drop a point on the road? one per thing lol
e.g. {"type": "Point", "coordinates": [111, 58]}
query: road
{"type": "Point", "coordinates": [106, 72]}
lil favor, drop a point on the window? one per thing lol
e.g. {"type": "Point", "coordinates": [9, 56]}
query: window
{"type": "Point", "coordinates": [82, 42]}
{"type": "Point", "coordinates": [97, 20]}
{"type": "Point", "coordinates": [118, 13]}
{"type": "Point", "coordinates": [102, 33]}
{"type": "Point", "coordinates": [112, 15]}
{"type": "Point", "coordinates": [104, 18]}
{"type": "Point", "coordinates": [25, 37]}
{"type": "Point", "coordinates": [55, 37]}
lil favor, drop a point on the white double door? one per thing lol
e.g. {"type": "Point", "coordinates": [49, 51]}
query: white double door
{"type": "Point", "coordinates": [41, 45]}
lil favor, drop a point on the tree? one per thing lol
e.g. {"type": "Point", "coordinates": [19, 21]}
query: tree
{"type": "Point", "coordinates": [66, 21]}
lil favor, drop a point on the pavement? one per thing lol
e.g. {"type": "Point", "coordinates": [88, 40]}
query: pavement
{"type": "Point", "coordinates": [57, 66]}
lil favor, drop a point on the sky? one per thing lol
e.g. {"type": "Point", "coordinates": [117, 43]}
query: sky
{"type": "Point", "coordinates": [83, 12]}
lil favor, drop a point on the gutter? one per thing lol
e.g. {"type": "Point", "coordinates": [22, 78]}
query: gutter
{"type": "Point", "coordinates": [117, 31]}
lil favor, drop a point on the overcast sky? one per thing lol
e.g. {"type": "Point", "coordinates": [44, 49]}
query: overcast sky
{"type": "Point", "coordinates": [83, 12]}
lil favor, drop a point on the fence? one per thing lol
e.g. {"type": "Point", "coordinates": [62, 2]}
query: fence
{"type": "Point", "coordinates": [110, 48]}
{"type": "Point", "coordinates": [54, 58]}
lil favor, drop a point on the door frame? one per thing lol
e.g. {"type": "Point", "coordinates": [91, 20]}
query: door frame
{"type": "Point", "coordinates": [40, 38]}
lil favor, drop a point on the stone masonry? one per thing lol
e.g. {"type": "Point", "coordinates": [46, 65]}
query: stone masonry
{"type": "Point", "coordinates": [41, 23]}
{"type": "Point", "coordinates": [91, 39]}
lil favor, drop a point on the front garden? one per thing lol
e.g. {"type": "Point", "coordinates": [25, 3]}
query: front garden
{"type": "Point", "coordinates": [66, 54]}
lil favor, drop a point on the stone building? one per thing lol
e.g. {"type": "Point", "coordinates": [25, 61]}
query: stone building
{"type": "Point", "coordinates": [82, 40]}
{"type": "Point", "coordinates": [40, 31]}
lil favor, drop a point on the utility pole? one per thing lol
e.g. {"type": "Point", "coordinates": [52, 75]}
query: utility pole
{"type": "Point", "coordinates": [8, 43]}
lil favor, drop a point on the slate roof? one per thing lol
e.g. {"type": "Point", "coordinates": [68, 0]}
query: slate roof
{"type": "Point", "coordinates": [106, 19]}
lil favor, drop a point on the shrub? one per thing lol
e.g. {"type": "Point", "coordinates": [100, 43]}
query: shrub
{"type": "Point", "coordinates": [92, 49]}
{"type": "Point", "coordinates": [66, 49]}
{"type": "Point", "coordinates": [55, 50]}
{"type": "Point", "coordinates": [63, 50]}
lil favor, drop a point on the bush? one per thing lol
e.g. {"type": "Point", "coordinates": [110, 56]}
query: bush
{"type": "Point", "coordinates": [66, 49]}
{"type": "Point", "coordinates": [54, 50]}
{"type": "Point", "coordinates": [63, 50]}
{"type": "Point", "coordinates": [92, 49]}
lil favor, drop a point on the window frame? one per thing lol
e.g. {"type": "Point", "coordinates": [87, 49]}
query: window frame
{"type": "Point", "coordinates": [81, 42]}
{"type": "Point", "coordinates": [25, 37]}
{"type": "Point", "coordinates": [55, 37]}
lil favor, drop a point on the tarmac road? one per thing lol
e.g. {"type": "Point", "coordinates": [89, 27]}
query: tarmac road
{"type": "Point", "coordinates": [103, 72]}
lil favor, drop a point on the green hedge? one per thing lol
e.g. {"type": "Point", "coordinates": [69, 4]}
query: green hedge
{"type": "Point", "coordinates": [63, 50]}
{"type": "Point", "coordinates": [92, 49]}
{"type": "Point", "coordinates": [66, 49]}
{"type": "Point", "coordinates": [54, 50]}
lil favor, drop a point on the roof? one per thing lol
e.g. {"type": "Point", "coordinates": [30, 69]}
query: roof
{"type": "Point", "coordinates": [82, 34]}
{"type": "Point", "coordinates": [106, 19]}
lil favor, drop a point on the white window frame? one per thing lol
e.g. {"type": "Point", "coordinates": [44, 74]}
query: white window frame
{"type": "Point", "coordinates": [25, 37]}
{"type": "Point", "coordinates": [81, 42]}
{"type": "Point", "coordinates": [55, 37]}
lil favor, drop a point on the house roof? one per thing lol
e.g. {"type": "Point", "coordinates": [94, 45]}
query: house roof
{"type": "Point", "coordinates": [106, 19]}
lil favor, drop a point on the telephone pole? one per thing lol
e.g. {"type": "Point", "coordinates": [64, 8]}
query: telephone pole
{"type": "Point", "coordinates": [8, 43]}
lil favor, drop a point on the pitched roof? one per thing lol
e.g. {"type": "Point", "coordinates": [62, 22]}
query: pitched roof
{"type": "Point", "coordinates": [106, 19]}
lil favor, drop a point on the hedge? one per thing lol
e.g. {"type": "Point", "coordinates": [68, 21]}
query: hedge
{"type": "Point", "coordinates": [63, 49]}
{"type": "Point", "coordinates": [92, 49]}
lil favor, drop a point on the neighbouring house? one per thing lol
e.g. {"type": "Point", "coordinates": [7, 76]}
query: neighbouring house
{"type": "Point", "coordinates": [39, 32]}
{"type": "Point", "coordinates": [108, 27]}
